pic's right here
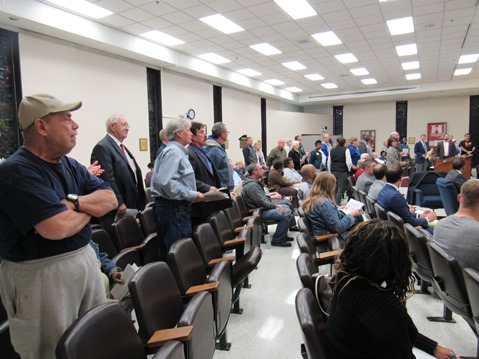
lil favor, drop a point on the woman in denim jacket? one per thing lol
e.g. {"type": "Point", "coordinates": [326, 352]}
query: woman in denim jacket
{"type": "Point", "coordinates": [322, 212]}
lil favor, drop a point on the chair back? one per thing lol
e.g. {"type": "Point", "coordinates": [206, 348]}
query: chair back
{"type": "Point", "coordinates": [313, 326]}
{"type": "Point", "coordinates": [91, 336]}
{"type": "Point", "coordinates": [471, 278]}
{"type": "Point", "coordinates": [207, 243]}
{"type": "Point", "coordinates": [421, 262]}
{"type": "Point", "coordinates": [362, 196]}
{"type": "Point", "coordinates": [105, 244]}
{"type": "Point", "coordinates": [127, 232]}
{"type": "Point", "coordinates": [234, 217]}
{"type": "Point", "coordinates": [355, 193]}
{"type": "Point", "coordinates": [305, 226]}
{"type": "Point", "coordinates": [306, 270]}
{"type": "Point", "coordinates": [370, 207]}
{"type": "Point", "coordinates": [127, 256]}
{"type": "Point", "coordinates": [156, 298]}
{"type": "Point", "coordinates": [423, 190]}
{"type": "Point", "coordinates": [239, 202]}
{"type": "Point", "coordinates": [305, 245]}
{"type": "Point", "coordinates": [222, 227]}
{"type": "Point", "coordinates": [450, 281]}
{"type": "Point", "coordinates": [398, 221]}
{"type": "Point", "coordinates": [147, 221]}
{"type": "Point", "coordinates": [170, 350]}
{"type": "Point", "coordinates": [448, 193]}
{"type": "Point", "coordinates": [380, 212]}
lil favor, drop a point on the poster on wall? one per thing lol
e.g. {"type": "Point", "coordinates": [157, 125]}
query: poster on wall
{"type": "Point", "coordinates": [435, 132]}
{"type": "Point", "coordinates": [372, 141]}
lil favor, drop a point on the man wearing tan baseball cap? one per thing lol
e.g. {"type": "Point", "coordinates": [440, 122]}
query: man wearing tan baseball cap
{"type": "Point", "coordinates": [49, 274]}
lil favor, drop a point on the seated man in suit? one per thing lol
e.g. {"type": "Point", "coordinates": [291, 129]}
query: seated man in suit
{"type": "Point", "coordinates": [391, 200]}
{"type": "Point", "coordinates": [367, 179]}
{"type": "Point", "coordinates": [379, 172]}
{"type": "Point", "coordinates": [455, 175]}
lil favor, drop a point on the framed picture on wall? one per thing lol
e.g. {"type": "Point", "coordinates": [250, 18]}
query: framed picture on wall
{"type": "Point", "coordinates": [372, 141]}
{"type": "Point", "coordinates": [435, 132]}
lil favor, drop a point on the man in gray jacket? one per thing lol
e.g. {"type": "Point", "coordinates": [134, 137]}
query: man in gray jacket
{"type": "Point", "coordinates": [216, 151]}
{"type": "Point", "coordinates": [254, 197]}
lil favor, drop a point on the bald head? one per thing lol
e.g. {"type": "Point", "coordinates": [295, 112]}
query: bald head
{"type": "Point", "coordinates": [281, 143]}
{"type": "Point", "coordinates": [309, 173]}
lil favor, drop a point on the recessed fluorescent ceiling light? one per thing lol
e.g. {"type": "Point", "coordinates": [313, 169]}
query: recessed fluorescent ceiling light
{"type": "Point", "coordinates": [330, 85]}
{"type": "Point", "coordinates": [460, 72]}
{"type": "Point", "coordinates": [83, 7]}
{"type": "Point", "coordinates": [406, 50]}
{"type": "Point", "coordinates": [346, 58]}
{"type": "Point", "coordinates": [249, 72]}
{"type": "Point", "coordinates": [219, 22]}
{"type": "Point", "coordinates": [274, 82]}
{"type": "Point", "coordinates": [370, 81]}
{"type": "Point", "coordinates": [360, 71]}
{"type": "Point", "coordinates": [266, 49]}
{"type": "Point", "coordinates": [400, 26]}
{"type": "Point", "coordinates": [410, 65]}
{"type": "Point", "coordinates": [214, 58]}
{"type": "Point", "coordinates": [415, 76]}
{"type": "Point", "coordinates": [327, 38]}
{"type": "Point", "coordinates": [162, 38]}
{"type": "Point", "coordinates": [297, 9]}
{"type": "Point", "coordinates": [294, 65]}
{"type": "Point", "coordinates": [467, 59]}
{"type": "Point", "coordinates": [314, 77]}
{"type": "Point", "coordinates": [293, 89]}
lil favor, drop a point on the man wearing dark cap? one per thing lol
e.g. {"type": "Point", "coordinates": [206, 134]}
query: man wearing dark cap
{"type": "Point", "coordinates": [49, 275]}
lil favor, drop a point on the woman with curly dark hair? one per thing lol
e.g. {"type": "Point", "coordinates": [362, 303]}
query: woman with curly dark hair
{"type": "Point", "coordinates": [368, 317]}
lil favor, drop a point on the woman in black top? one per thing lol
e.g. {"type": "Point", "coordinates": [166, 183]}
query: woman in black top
{"type": "Point", "coordinates": [368, 317]}
{"type": "Point", "coordinates": [295, 155]}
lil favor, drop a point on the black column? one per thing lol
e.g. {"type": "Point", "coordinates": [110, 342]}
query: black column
{"type": "Point", "coordinates": [474, 126]}
{"type": "Point", "coordinates": [217, 104]}
{"type": "Point", "coordinates": [263, 125]}
{"type": "Point", "coordinates": [401, 118]}
{"type": "Point", "coordinates": [338, 120]}
{"type": "Point", "coordinates": [155, 109]}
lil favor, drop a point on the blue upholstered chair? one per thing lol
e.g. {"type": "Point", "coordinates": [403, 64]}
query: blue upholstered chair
{"type": "Point", "coordinates": [448, 193]}
{"type": "Point", "coordinates": [423, 190]}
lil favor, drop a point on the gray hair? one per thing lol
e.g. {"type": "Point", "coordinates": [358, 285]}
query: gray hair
{"type": "Point", "coordinates": [163, 135]}
{"type": "Point", "coordinates": [112, 119]}
{"type": "Point", "coordinates": [294, 143]}
{"type": "Point", "coordinates": [175, 125]}
{"type": "Point", "coordinates": [217, 129]}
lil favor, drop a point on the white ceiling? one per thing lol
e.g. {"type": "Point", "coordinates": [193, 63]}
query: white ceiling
{"type": "Point", "coordinates": [444, 30]}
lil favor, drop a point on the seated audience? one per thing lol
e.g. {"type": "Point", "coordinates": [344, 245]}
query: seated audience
{"type": "Point", "coordinates": [364, 157]}
{"type": "Point", "coordinates": [308, 172]}
{"type": "Point", "coordinates": [391, 200]}
{"type": "Point", "coordinates": [236, 177]}
{"type": "Point", "coordinates": [379, 172]}
{"type": "Point", "coordinates": [290, 173]}
{"type": "Point", "coordinates": [109, 270]}
{"type": "Point", "coordinates": [383, 156]}
{"type": "Point", "coordinates": [368, 316]}
{"type": "Point", "coordinates": [277, 183]}
{"type": "Point", "coordinates": [148, 174]}
{"type": "Point", "coordinates": [457, 234]}
{"type": "Point", "coordinates": [321, 210]}
{"type": "Point", "coordinates": [240, 169]}
{"type": "Point", "coordinates": [255, 197]}
{"type": "Point", "coordinates": [364, 182]}
{"type": "Point", "coordinates": [455, 175]}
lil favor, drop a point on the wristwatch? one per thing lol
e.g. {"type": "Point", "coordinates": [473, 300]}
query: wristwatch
{"type": "Point", "coordinates": [73, 198]}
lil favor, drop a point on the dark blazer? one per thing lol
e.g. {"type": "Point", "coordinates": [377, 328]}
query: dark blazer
{"type": "Point", "coordinates": [204, 178]}
{"type": "Point", "coordinates": [391, 200]}
{"type": "Point", "coordinates": [249, 155]}
{"type": "Point", "coordinates": [419, 151]}
{"type": "Point", "coordinates": [119, 174]}
{"type": "Point", "coordinates": [440, 150]}
{"type": "Point", "coordinates": [457, 178]}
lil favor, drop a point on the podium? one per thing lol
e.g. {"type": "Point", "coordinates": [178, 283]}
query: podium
{"type": "Point", "coordinates": [445, 165]}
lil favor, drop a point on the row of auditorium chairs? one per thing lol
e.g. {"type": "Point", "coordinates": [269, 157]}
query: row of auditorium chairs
{"type": "Point", "coordinates": [196, 266]}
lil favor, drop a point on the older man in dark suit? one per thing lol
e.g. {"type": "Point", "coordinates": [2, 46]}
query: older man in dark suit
{"type": "Point", "coordinates": [121, 170]}
{"type": "Point", "coordinates": [206, 175]}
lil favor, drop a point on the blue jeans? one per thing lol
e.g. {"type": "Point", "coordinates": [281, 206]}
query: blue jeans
{"type": "Point", "coordinates": [284, 218]}
{"type": "Point", "coordinates": [173, 222]}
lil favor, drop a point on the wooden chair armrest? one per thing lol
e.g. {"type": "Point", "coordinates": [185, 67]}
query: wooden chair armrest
{"type": "Point", "coordinates": [234, 242]}
{"type": "Point", "coordinates": [330, 254]}
{"type": "Point", "coordinates": [209, 287]}
{"type": "Point", "coordinates": [245, 219]}
{"type": "Point", "coordinates": [239, 229]}
{"type": "Point", "coordinates": [138, 247]}
{"type": "Point", "coordinates": [324, 237]}
{"type": "Point", "coordinates": [160, 337]}
{"type": "Point", "coordinates": [222, 259]}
